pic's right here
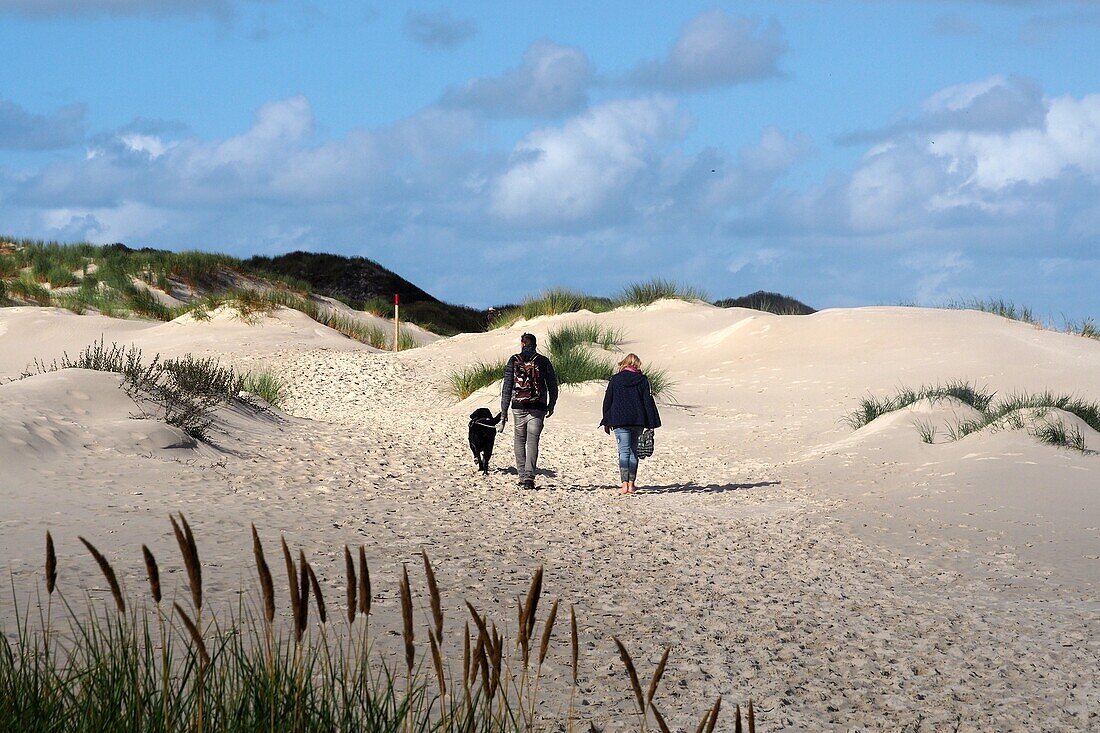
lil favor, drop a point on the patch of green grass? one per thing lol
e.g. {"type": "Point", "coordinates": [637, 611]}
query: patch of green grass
{"type": "Point", "coordinates": [25, 288]}
{"type": "Point", "coordinates": [1055, 432]}
{"type": "Point", "coordinates": [464, 382]}
{"type": "Point", "coordinates": [555, 301]}
{"type": "Point", "coordinates": [10, 266]}
{"type": "Point", "coordinates": [656, 289]}
{"type": "Point", "coordinates": [144, 303]}
{"type": "Point", "coordinates": [1086, 328]}
{"type": "Point", "coordinates": [871, 407]}
{"type": "Point", "coordinates": [578, 364]}
{"type": "Point", "coordinates": [996, 306]}
{"type": "Point", "coordinates": [266, 386]}
{"type": "Point", "coordinates": [1015, 411]}
{"type": "Point", "coordinates": [566, 337]}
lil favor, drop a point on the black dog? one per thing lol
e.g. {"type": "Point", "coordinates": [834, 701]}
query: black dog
{"type": "Point", "coordinates": [483, 435]}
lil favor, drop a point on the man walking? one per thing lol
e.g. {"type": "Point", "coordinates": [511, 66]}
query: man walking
{"type": "Point", "coordinates": [531, 390]}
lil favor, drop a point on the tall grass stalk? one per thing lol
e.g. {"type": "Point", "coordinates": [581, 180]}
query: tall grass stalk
{"type": "Point", "coordinates": [120, 670]}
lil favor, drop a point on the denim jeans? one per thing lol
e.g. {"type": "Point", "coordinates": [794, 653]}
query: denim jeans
{"type": "Point", "coordinates": [528, 428]}
{"type": "Point", "coordinates": [627, 438]}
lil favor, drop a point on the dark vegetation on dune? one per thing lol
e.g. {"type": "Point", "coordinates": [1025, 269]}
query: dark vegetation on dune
{"type": "Point", "coordinates": [183, 392]}
{"type": "Point", "coordinates": [366, 285]}
{"type": "Point", "coordinates": [172, 664]}
{"type": "Point", "coordinates": [761, 300]}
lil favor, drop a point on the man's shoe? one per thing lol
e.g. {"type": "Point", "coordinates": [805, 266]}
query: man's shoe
{"type": "Point", "coordinates": [529, 483]}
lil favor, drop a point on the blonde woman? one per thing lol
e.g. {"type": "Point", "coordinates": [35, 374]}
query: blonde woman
{"type": "Point", "coordinates": [628, 409]}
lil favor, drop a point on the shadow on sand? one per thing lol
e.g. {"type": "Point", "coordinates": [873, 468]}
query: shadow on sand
{"type": "Point", "coordinates": [693, 488]}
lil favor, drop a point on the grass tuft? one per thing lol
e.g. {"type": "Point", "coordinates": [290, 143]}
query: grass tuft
{"type": "Point", "coordinates": [466, 381]}
{"type": "Point", "coordinates": [1017, 411]}
{"type": "Point", "coordinates": [656, 289]}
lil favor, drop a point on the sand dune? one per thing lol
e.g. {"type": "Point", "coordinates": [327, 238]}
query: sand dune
{"type": "Point", "coordinates": [844, 580]}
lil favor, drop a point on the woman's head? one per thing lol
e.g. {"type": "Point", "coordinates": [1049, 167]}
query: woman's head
{"type": "Point", "coordinates": [630, 361]}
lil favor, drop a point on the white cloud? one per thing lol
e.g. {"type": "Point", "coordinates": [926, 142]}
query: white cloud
{"type": "Point", "coordinates": [1068, 139]}
{"type": "Point", "coordinates": [551, 80]}
{"type": "Point", "coordinates": [579, 171]}
{"type": "Point", "coordinates": [716, 49]}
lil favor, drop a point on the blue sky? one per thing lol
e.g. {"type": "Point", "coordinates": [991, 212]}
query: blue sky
{"type": "Point", "coordinates": [846, 153]}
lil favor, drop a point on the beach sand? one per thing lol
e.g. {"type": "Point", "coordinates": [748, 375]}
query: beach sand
{"type": "Point", "coordinates": [842, 580]}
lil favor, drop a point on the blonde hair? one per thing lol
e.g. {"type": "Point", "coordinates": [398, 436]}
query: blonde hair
{"type": "Point", "coordinates": [630, 360]}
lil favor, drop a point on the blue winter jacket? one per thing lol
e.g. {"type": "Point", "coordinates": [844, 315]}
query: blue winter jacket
{"type": "Point", "coordinates": [629, 402]}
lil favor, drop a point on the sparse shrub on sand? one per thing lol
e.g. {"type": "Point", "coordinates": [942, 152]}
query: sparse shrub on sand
{"type": "Point", "coordinates": [1017, 411]}
{"type": "Point", "coordinates": [761, 300]}
{"type": "Point", "coordinates": [176, 667]}
{"type": "Point", "coordinates": [184, 391]}
{"type": "Point", "coordinates": [1086, 328]}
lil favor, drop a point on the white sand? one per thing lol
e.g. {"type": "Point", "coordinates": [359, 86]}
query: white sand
{"type": "Point", "coordinates": [842, 580]}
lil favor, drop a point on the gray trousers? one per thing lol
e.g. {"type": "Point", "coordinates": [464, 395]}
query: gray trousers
{"type": "Point", "coordinates": [528, 428]}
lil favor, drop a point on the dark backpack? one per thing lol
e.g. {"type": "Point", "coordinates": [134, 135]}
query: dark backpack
{"type": "Point", "coordinates": [526, 381]}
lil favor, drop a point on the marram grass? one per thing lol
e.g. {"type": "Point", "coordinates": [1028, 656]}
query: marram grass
{"type": "Point", "coordinates": [159, 666]}
{"type": "Point", "coordinates": [1015, 411]}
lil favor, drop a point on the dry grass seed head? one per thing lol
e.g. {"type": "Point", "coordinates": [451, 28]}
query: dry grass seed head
{"type": "Point", "coordinates": [437, 661]}
{"type": "Point", "coordinates": [190, 554]}
{"type": "Point", "coordinates": [153, 572]}
{"type": "Point", "coordinates": [295, 594]}
{"type": "Point", "coordinates": [657, 674]}
{"type": "Point", "coordinates": [433, 597]}
{"type": "Point", "coordinates": [633, 674]}
{"type": "Point", "coordinates": [407, 619]}
{"type": "Point", "coordinates": [349, 570]}
{"type": "Point", "coordinates": [108, 573]}
{"type": "Point", "coordinates": [317, 594]}
{"type": "Point", "coordinates": [364, 583]}
{"type": "Point", "coordinates": [752, 718]}
{"type": "Point", "coordinates": [267, 583]}
{"type": "Point", "coordinates": [530, 606]}
{"type": "Point", "coordinates": [547, 632]}
{"type": "Point", "coordinates": [196, 635]}
{"type": "Point", "coordinates": [303, 590]}
{"type": "Point", "coordinates": [660, 719]}
{"type": "Point", "coordinates": [714, 715]}
{"type": "Point", "coordinates": [51, 565]}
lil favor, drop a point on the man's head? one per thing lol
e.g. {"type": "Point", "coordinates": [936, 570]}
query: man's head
{"type": "Point", "coordinates": [528, 340]}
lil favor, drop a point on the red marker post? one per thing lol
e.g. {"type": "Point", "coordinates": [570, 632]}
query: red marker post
{"type": "Point", "coordinates": [396, 322]}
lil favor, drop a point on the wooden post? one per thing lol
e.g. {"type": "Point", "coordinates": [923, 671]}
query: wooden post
{"type": "Point", "coordinates": [396, 322]}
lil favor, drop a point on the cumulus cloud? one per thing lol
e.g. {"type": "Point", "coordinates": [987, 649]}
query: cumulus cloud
{"type": "Point", "coordinates": [552, 80]}
{"type": "Point", "coordinates": [716, 49]}
{"type": "Point", "coordinates": [587, 168]}
{"type": "Point", "coordinates": [52, 8]}
{"type": "Point", "coordinates": [22, 130]}
{"type": "Point", "coordinates": [439, 29]}
{"type": "Point", "coordinates": [996, 104]}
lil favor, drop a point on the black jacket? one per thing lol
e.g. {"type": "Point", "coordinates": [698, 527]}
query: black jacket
{"type": "Point", "coordinates": [548, 389]}
{"type": "Point", "coordinates": [629, 402]}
